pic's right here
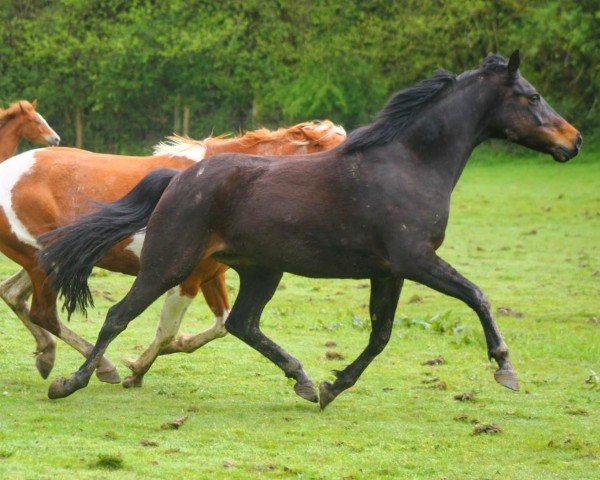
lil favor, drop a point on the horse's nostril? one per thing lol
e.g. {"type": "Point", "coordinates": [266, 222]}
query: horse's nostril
{"type": "Point", "coordinates": [579, 140]}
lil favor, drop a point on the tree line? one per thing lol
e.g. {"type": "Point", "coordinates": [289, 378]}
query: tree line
{"type": "Point", "coordinates": [118, 75]}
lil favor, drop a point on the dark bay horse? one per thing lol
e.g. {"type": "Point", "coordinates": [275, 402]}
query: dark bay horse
{"type": "Point", "coordinates": [43, 189]}
{"type": "Point", "coordinates": [375, 207]}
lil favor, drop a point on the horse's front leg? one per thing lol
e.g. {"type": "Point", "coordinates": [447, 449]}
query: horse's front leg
{"type": "Point", "coordinates": [15, 291]}
{"type": "Point", "coordinates": [434, 272]}
{"type": "Point", "coordinates": [384, 300]}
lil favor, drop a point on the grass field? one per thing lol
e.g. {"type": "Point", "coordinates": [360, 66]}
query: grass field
{"type": "Point", "coordinates": [525, 229]}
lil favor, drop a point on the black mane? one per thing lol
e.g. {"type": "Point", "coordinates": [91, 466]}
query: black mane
{"type": "Point", "coordinates": [405, 104]}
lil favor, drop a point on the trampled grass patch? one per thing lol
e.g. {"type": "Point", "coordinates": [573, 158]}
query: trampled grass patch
{"type": "Point", "coordinates": [525, 229]}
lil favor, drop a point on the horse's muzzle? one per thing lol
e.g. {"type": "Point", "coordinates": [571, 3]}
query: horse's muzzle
{"type": "Point", "coordinates": [564, 154]}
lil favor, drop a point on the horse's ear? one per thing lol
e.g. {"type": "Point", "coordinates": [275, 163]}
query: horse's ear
{"type": "Point", "coordinates": [513, 63]}
{"type": "Point", "coordinates": [21, 107]}
{"type": "Point", "coordinates": [34, 104]}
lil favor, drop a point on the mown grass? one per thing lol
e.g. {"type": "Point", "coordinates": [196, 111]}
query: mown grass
{"type": "Point", "coordinates": [525, 229]}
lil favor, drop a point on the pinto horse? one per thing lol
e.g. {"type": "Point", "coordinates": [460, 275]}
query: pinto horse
{"type": "Point", "coordinates": [375, 207]}
{"type": "Point", "coordinates": [44, 189]}
{"type": "Point", "coordinates": [21, 121]}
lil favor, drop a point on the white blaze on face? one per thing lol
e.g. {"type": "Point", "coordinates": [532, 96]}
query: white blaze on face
{"type": "Point", "coordinates": [52, 137]}
{"type": "Point", "coordinates": [340, 130]}
{"type": "Point", "coordinates": [137, 243]}
{"type": "Point", "coordinates": [11, 172]}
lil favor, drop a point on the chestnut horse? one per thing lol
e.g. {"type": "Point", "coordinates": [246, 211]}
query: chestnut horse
{"type": "Point", "coordinates": [46, 188]}
{"type": "Point", "coordinates": [20, 121]}
{"type": "Point", "coordinates": [375, 207]}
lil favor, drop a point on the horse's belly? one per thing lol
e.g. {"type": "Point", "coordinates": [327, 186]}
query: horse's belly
{"type": "Point", "coordinates": [317, 263]}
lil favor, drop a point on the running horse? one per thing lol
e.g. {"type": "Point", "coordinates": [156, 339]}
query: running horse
{"type": "Point", "coordinates": [20, 121]}
{"type": "Point", "coordinates": [46, 188]}
{"type": "Point", "coordinates": [375, 207]}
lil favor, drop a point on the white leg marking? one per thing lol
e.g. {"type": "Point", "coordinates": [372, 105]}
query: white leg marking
{"type": "Point", "coordinates": [11, 171]}
{"type": "Point", "coordinates": [174, 308]}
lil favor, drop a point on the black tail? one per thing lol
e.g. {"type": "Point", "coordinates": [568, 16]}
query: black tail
{"type": "Point", "coordinates": [71, 251]}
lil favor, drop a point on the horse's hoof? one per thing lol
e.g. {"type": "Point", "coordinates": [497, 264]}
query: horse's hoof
{"type": "Point", "coordinates": [44, 362]}
{"type": "Point", "coordinates": [326, 395]}
{"type": "Point", "coordinates": [60, 388]}
{"type": "Point", "coordinates": [508, 378]}
{"type": "Point", "coordinates": [132, 381]}
{"type": "Point", "coordinates": [109, 376]}
{"type": "Point", "coordinates": [307, 391]}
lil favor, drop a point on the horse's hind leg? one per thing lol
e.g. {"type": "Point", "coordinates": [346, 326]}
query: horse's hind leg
{"type": "Point", "coordinates": [215, 294]}
{"type": "Point", "coordinates": [15, 291]}
{"type": "Point", "coordinates": [207, 275]}
{"type": "Point", "coordinates": [384, 300]}
{"type": "Point", "coordinates": [175, 306]}
{"type": "Point", "coordinates": [434, 272]}
{"type": "Point", "coordinates": [257, 286]}
{"type": "Point", "coordinates": [43, 313]}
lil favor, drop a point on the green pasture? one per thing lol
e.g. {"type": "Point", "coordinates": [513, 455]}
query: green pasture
{"type": "Point", "coordinates": [524, 228]}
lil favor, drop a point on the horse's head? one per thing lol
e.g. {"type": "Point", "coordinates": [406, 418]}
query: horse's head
{"type": "Point", "coordinates": [524, 117]}
{"type": "Point", "coordinates": [320, 136]}
{"type": "Point", "coordinates": [34, 127]}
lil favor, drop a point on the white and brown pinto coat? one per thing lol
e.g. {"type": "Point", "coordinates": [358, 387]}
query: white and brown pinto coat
{"type": "Point", "coordinates": [43, 189]}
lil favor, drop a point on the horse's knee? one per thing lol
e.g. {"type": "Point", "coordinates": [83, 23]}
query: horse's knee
{"type": "Point", "coordinates": [239, 329]}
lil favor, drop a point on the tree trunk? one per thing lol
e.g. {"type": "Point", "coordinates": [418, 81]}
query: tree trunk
{"type": "Point", "coordinates": [186, 120]}
{"type": "Point", "coordinates": [177, 115]}
{"type": "Point", "coordinates": [79, 128]}
{"type": "Point", "coordinates": [254, 113]}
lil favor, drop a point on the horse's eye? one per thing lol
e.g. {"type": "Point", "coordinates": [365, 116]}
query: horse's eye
{"type": "Point", "coordinates": [534, 99]}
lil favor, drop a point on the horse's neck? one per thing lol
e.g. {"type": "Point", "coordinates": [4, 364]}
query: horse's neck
{"type": "Point", "coordinates": [9, 139]}
{"type": "Point", "coordinates": [445, 135]}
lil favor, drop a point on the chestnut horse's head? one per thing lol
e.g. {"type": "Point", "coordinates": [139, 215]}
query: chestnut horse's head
{"type": "Point", "coordinates": [317, 136]}
{"type": "Point", "coordinates": [524, 117]}
{"type": "Point", "coordinates": [303, 138]}
{"type": "Point", "coordinates": [32, 126]}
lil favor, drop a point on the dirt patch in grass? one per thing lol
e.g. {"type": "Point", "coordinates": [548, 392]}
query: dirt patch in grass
{"type": "Point", "coordinates": [331, 355]}
{"type": "Point", "coordinates": [174, 424]}
{"type": "Point", "coordinates": [465, 397]}
{"type": "Point", "coordinates": [509, 312]}
{"type": "Point", "coordinates": [439, 360]}
{"type": "Point", "coordinates": [486, 428]}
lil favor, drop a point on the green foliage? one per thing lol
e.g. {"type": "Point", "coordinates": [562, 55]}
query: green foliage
{"type": "Point", "coordinates": [130, 67]}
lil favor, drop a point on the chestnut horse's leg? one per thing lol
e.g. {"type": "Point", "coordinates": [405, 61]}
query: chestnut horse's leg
{"type": "Point", "coordinates": [15, 291]}
{"type": "Point", "coordinates": [208, 276]}
{"type": "Point", "coordinates": [384, 300]}
{"type": "Point", "coordinates": [43, 313]}
{"type": "Point", "coordinates": [175, 306]}
{"type": "Point", "coordinates": [432, 271]}
{"type": "Point", "coordinates": [215, 294]}
{"type": "Point", "coordinates": [257, 286]}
